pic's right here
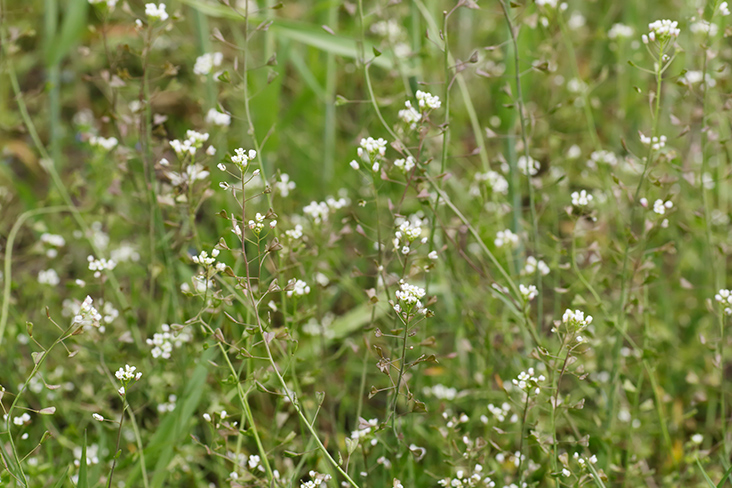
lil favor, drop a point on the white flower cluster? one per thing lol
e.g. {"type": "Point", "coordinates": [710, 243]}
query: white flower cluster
{"type": "Point", "coordinates": [576, 319]}
{"type": "Point", "coordinates": [662, 31]}
{"type": "Point", "coordinates": [656, 142]}
{"type": "Point", "coordinates": [462, 480]}
{"type": "Point", "coordinates": [581, 198]}
{"type": "Point", "coordinates": [258, 223]}
{"type": "Point", "coordinates": [440, 392]}
{"type": "Point", "coordinates": [532, 264]}
{"type": "Point", "coordinates": [316, 479]}
{"type": "Point", "coordinates": [156, 12]}
{"type": "Point", "coordinates": [218, 118]}
{"type": "Point", "coordinates": [409, 230]}
{"type": "Point", "coordinates": [206, 62]}
{"type": "Point", "coordinates": [242, 157]}
{"type": "Point", "coordinates": [295, 234]}
{"type": "Point", "coordinates": [168, 406]}
{"type": "Point", "coordinates": [495, 181]}
{"type": "Point", "coordinates": [388, 28]}
{"type": "Point", "coordinates": [547, 3]}
{"type": "Point", "coordinates": [299, 288]}
{"type": "Point", "coordinates": [705, 28]}
{"type": "Point", "coordinates": [506, 238]}
{"type": "Point", "coordinates": [371, 151]}
{"type": "Point", "coordinates": [500, 413]}
{"type": "Point", "coordinates": [87, 314]}
{"type": "Point", "coordinates": [285, 186]}
{"type": "Point", "coordinates": [194, 172]}
{"type": "Point", "coordinates": [724, 9]}
{"type": "Point", "coordinates": [582, 461]}
{"type": "Point", "coordinates": [364, 428]}
{"type": "Point", "coordinates": [21, 420]}
{"type": "Point", "coordinates": [164, 342]}
{"type": "Point", "coordinates": [405, 165]}
{"type": "Point", "coordinates": [109, 3]}
{"type": "Point", "coordinates": [92, 455]}
{"type": "Point", "coordinates": [127, 374]}
{"type": "Point", "coordinates": [410, 295]}
{"type": "Point", "coordinates": [660, 207]}
{"type": "Point", "coordinates": [209, 262]}
{"type": "Point", "coordinates": [319, 211]}
{"type": "Point", "coordinates": [724, 297]}
{"type": "Point", "coordinates": [105, 143]}
{"type": "Point", "coordinates": [528, 292]}
{"type": "Point", "coordinates": [694, 77]}
{"type": "Point", "coordinates": [527, 382]}
{"type": "Point", "coordinates": [54, 241]}
{"type": "Point", "coordinates": [620, 31]}
{"type": "Point", "coordinates": [528, 166]}
{"type": "Point", "coordinates": [190, 144]}
{"type": "Point", "coordinates": [48, 277]}
{"type": "Point", "coordinates": [99, 265]}
{"type": "Point", "coordinates": [409, 115]}
{"type": "Point", "coordinates": [427, 100]}
{"type": "Point", "coordinates": [602, 156]}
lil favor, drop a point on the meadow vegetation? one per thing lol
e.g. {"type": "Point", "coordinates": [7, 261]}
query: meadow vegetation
{"type": "Point", "coordinates": [405, 243]}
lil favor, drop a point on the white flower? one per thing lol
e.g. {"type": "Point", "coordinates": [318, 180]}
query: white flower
{"type": "Point", "coordinates": [354, 165]}
{"type": "Point", "coordinates": [724, 297]}
{"type": "Point", "coordinates": [48, 277]}
{"type": "Point", "coordinates": [241, 157]}
{"type": "Point", "coordinates": [109, 3]}
{"type": "Point", "coordinates": [409, 115]}
{"type": "Point", "coordinates": [495, 181]}
{"type": "Point", "coordinates": [371, 149]}
{"type": "Point", "coordinates": [205, 63]}
{"type": "Point", "coordinates": [528, 166]}
{"type": "Point", "coordinates": [506, 238]}
{"type": "Point", "coordinates": [87, 315]}
{"type": "Point", "coordinates": [285, 185]}
{"type": "Point", "coordinates": [164, 342]}
{"type": "Point", "coordinates": [547, 3]}
{"type": "Point", "coordinates": [620, 31]}
{"type": "Point", "coordinates": [704, 27]}
{"type": "Point", "coordinates": [694, 77]}
{"type": "Point", "coordinates": [528, 292]}
{"type": "Point", "coordinates": [410, 294]}
{"type": "Point", "coordinates": [662, 31]}
{"type": "Point", "coordinates": [98, 417]}
{"type": "Point", "coordinates": [576, 319]}
{"type": "Point", "coordinates": [427, 100]}
{"type": "Point", "coordinates": [566, 473]}
{"type": "Point", "coordinates": [659, 206]}
{"type": "Point", "coordinates": [656, 142]}
{"type": "Point", "coordinates": [105, 143]}
{"type": "Point", "coordinates": [218, 118]}
{"type": "Point", "coordinates": [724, 9]}
{"type": "Point", "coordinates": [405, 165]}
{"type": "Point", "coordinates": [697, 439]}
{"type": "Point", "coordinates": [528, 382]}
{"type": "Point", "coordinates": [99, 265]}
{"type": "Point", "coordinates": [22, 419]}
{"type": "Point", "coordinates": [602, 156]}
{"type": "Point", "coordinates": [581, 199]}
{"type": "Point", "coordinates": [156, 12]}
{"type": "Point", "coordinates": [253, 461]}
{"type": "Point", "coordinates": [299, 288]}
{"type": "Point", "coordinates": [294, 234]}
{"type": "Point", "coordinates": [433, 255]}
{"type": "Point", "coordinates": [206, 417]}
{"type": "Point", "coordinates": [127, 374]}
{"type": "Point", "coordinates": [532, 264]}
{"type": "Point", "coordinates": [317, 211]}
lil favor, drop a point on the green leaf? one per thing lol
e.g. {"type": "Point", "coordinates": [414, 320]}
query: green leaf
{"type": "Point", "coordinates": [725, 477]}
{"type": "Point", "coordinates": [62, 480]}
{"type": "Point", "coordinates": [706, 476]}
{"type": "Point", "coordinates": [83, 474]}
{"type": "Point", "coordinates": [72, 29]}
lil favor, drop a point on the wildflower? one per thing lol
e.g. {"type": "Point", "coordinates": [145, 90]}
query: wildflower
{"type": "Point", "coordinates": [528, 292]}
{"type": "Point", "coordinates": [656, 142]}
{"type": "Point", "coordinates": [105, 143]}
{"type": "Point", "coordinates": [532, 264]}
{"type": "Point", "coordinates": [354, 165]}
{"type": "Point", "coordinates": [427, 100]}
{"type": "Point", "coordinates": [410, 295]}
{"type": "Point", "coordinates": [724, 297]}
{"type": "Point", "coordinates": [23, 419]}
{"type": "Point", "coordinates": [299, 288]}
{"type": "Point", "coordinates": [206, 62]}
{"type": "Point", "coordinates": [694, 77]}
{"type": "Point", "coordinates": [48, 277]}
{"type": "Point", "coordinates": [168, 406]}
{"type": "Point", "coordinates": [506, 238]}
{"type": "Point", "coordinates": [566, 473]}
{"type": "Point", "coordinates": [433, 255]}
{"type": "Point", "coordinates": [127, 374]}
{"type": "Point", "coordinates": [98, 417]}
{"type": "Point", "coordinates": [620, 31]}
{"type": "Point", "coordinates": [109, 3]}
{"type": "Point", "coordinates": [528, 166]}
{"type": "Point", "coordinates": [164, 342]}
{"type": "Point", "coordinates": [724, 9]}
{"type": "Point", "coordinates": [253, 461]}
{"type": "Point", "coordinates": [697, 439]}
{"type": "Point", "coordinates": [405, 165]}
{"type": "Point", "coordinates": [206, 417]}
{"type": "Point", "coordinates": [547, 3]}
{"type": "Point", "coordinates": [317, 211]}
{"type": "Point", "coordinates": [257, 224]}
{"type": "Point", "coordinates": [241, 157]}
{"type": "Point", "coordinates": [371, 151]}
{"type": "Point", "coordinates": [87, 314]}
{"type": "Point", "coordinates": [500, 413]}
{"type": "Point", "coordinates": [576, 319]}
{"type": "Point", "coordinates": [662, 31]}
{"type": "Point", "coordinates": [704, 27]}
{"type": "Point", "coordinates": [495, 181]}
{"type": "Point", "coordinates": [294, 234]}
{"type": "Point", "coordinates": [99, 265]}
{"type": "Point", "coordinates": [581, 199]}
{"type": "Point", "coordinates": [156, 12]}
{"type": "Point", "coordinates": [659, 206]}
{"type": "Point", "coordinates": [409, 115]}
{"type": "Point", "coordinates": [218, 118]}
{"type": "Point", "coordinates": [527, 382]}
{"type": "Point", "coordinates": [602, 156]}
{"type": "Point", "coordinates": [387, 28]}
{"type": "Point", "coordinates": [285, 185]}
